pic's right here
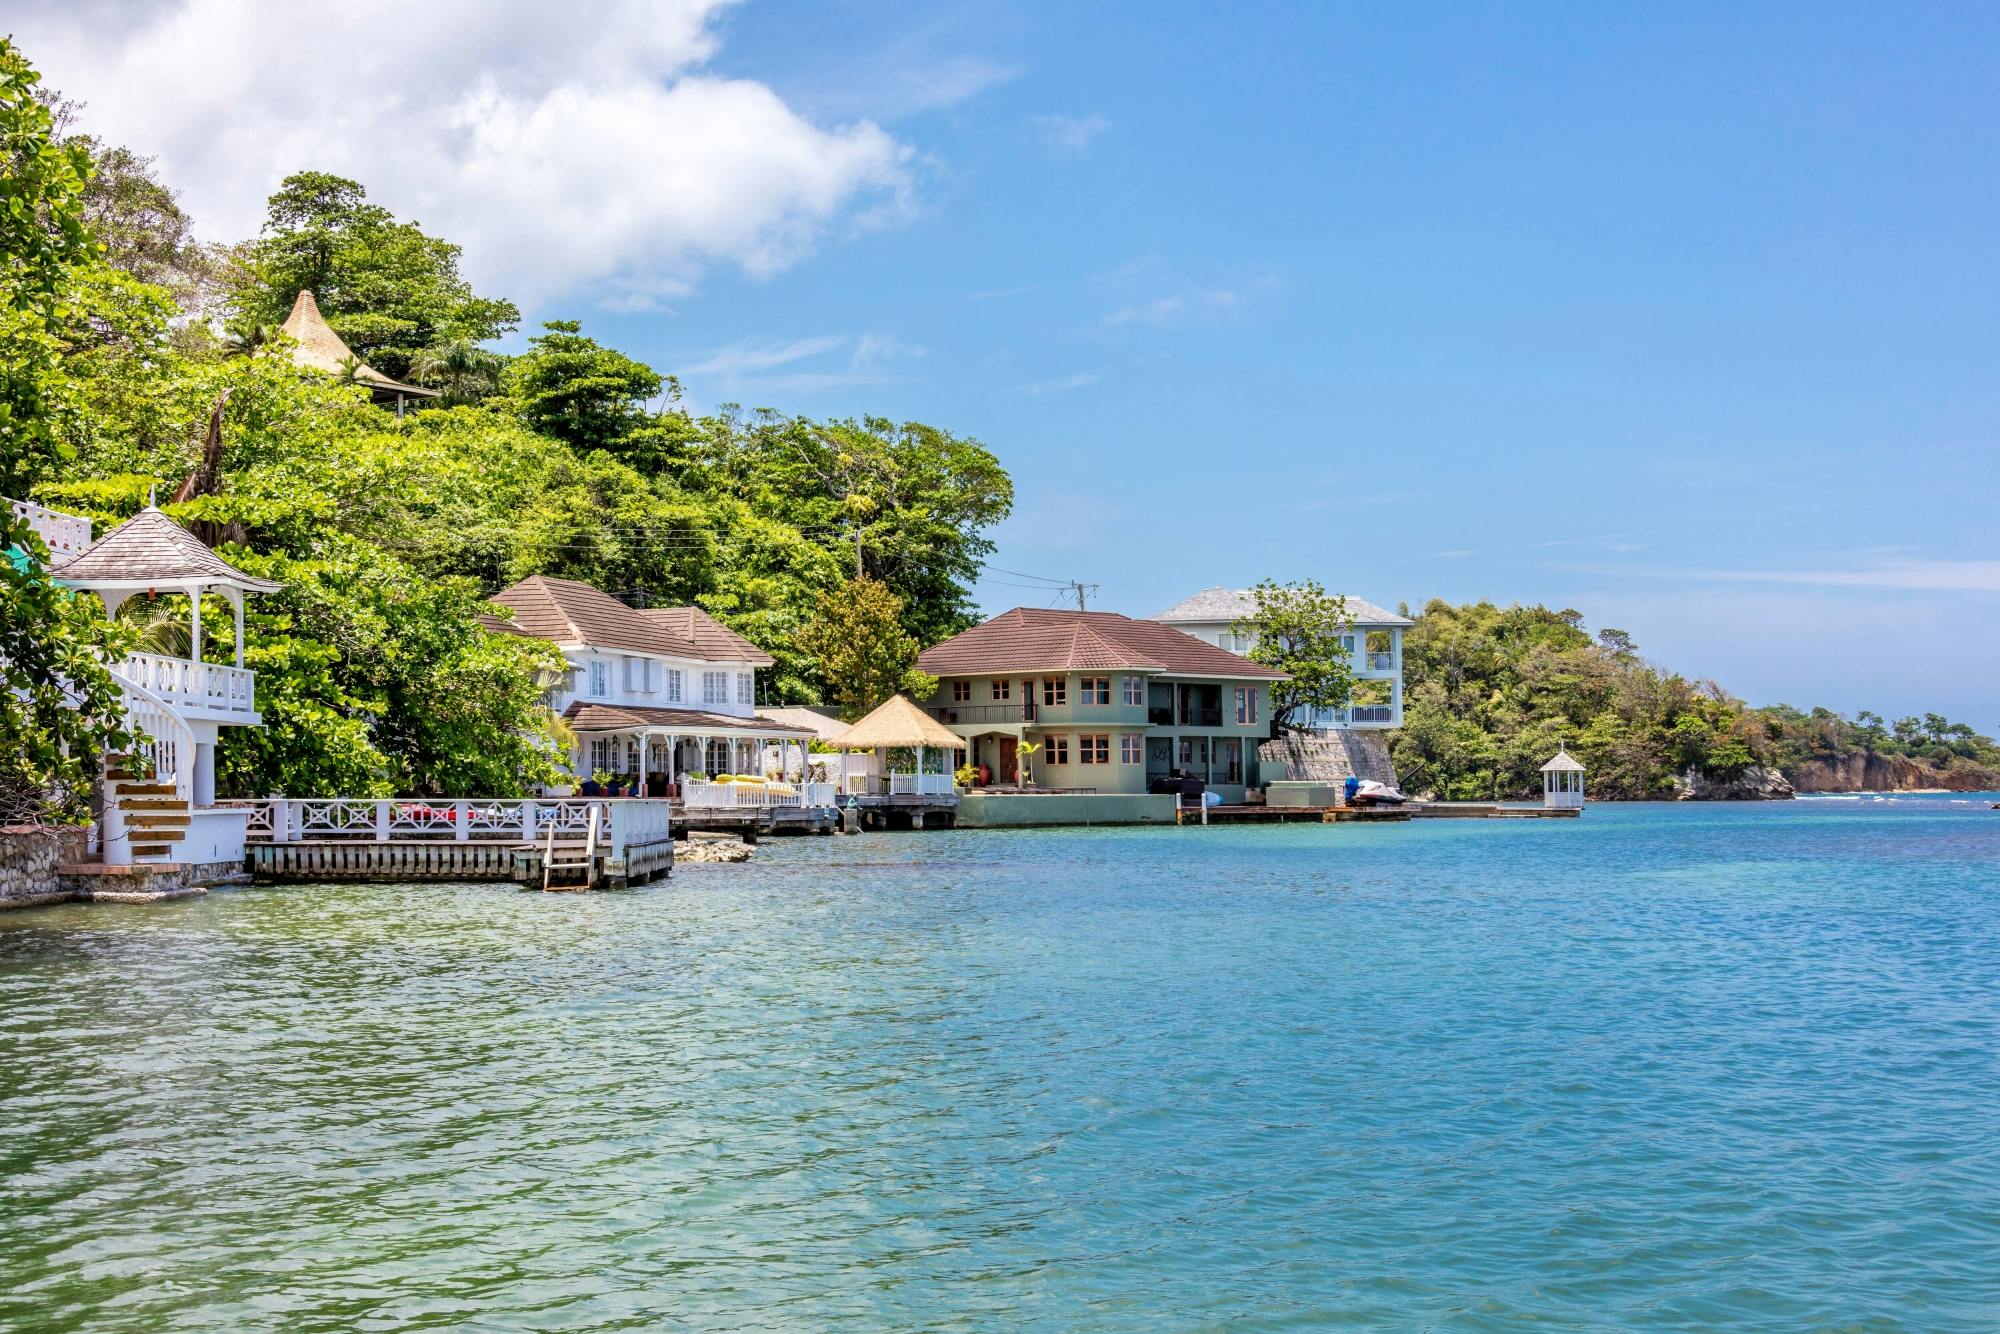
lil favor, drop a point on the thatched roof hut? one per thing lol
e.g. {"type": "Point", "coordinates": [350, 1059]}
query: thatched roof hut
{"type": "Point", "coordinates": [898, 724]}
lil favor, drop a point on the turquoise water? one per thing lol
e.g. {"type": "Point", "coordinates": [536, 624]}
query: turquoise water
{"type": "Point", "coordinates": [1663, 1067]}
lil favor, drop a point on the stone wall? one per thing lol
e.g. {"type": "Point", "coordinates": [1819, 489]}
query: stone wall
{"type": "Point", "coordinates": [28, 860]}
{"type": "Point", "coordinates": [1327, 757]}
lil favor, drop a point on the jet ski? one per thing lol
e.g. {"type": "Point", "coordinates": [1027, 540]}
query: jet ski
{"type": "Point", "coordinates": [1375, 793]}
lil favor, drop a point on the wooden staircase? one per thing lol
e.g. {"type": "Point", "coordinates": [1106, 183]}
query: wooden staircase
{"type": "Point", "coordinates": [155, 818]}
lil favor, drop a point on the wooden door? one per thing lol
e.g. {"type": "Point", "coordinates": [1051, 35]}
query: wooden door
{"type": "Point", "coordinates": [1009, 760]}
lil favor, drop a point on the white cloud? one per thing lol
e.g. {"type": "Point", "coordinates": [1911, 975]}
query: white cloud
{"type": "Point", "coordinates": [1153, 294]}
{"type": "Point", "coordinates": [1939, 576]}
{"type": "Point", "coordinates": [569, 153]}
{"type": "Point", "coordinates": [804, 365]}
{"type": "Point", "coordinates": [1070, 135]}
{"type": "Point", "coordinates": [1081, 380]}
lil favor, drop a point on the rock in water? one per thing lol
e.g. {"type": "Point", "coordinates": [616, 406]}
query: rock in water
{"type": "Point", "coordinates": [711, 851]}
{"type": "Point", "coordinates": [1756, 783]}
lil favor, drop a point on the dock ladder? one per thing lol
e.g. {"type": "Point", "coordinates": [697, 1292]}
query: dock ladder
{"type": "Point", "coordinates": [588, 865]}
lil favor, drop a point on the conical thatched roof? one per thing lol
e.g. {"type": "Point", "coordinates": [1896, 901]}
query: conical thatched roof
{"type": "Point", "coordinates": [319, 348]}
{"type": "Point", "coordinates": [897, 722]}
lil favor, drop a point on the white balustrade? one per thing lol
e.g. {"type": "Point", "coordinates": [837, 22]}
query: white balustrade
{"type": "Point", "coordinates": [922, 785]}
{"type": "Point", "coordinates": [66, 535]}
{"type": "Point", "coordinates": [632, 821]}
{"type": "Point", "coordinates": [187, 684]}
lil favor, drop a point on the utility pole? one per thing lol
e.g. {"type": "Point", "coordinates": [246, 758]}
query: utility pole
{"type": "Point", "coordinates": [1079, 594]}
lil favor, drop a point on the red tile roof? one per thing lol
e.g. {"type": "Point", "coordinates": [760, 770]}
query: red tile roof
{"type": "Point", "coordinates": [566, 612]}
{"type": "Point", "coordinates": [1029, 639]}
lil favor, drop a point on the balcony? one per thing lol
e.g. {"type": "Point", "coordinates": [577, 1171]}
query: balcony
{"type": "Point", "coordinates": [1381, 662]}
{"type": "Point", "coordinates": [201, 688]}
{"type": "Point", "coordinates": [959, 715]}
{"type": "Point", "coordinates": [65, 535]}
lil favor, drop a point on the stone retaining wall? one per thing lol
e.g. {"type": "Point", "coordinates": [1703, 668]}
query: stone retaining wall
{"type": "Point", "coordinates": [28, 860]}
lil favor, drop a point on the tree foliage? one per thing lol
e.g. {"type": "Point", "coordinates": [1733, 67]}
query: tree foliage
{"type": "Point", "coordinates": [387, 288]}
{"type": "Point", "coordinates": [863, 651]}
{"type": "Point", "coordinates": [1302, 630]}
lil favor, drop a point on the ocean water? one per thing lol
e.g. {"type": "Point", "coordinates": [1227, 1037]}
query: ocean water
{"type": "Point", "coordinates": [1663, 1067]}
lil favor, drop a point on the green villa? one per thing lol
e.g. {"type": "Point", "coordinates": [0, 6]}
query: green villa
{"type": "Point", "coordinates": [1112, 703]}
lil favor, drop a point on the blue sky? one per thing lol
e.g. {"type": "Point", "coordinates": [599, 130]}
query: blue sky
{"type": "Point", "coordinates": [1683, 316]}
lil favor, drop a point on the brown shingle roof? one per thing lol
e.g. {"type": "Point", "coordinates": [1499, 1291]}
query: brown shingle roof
{"type": "Point", "coordinates": [585, 716]}
{"type": "Point", "coordinates": [149, 547]}
{"type": "Point", "coordinates": [717, 642]}
{"type": "Point", "coordinates": [566, 612]}
{"type": "Point", "coordinates": [1030, 639]}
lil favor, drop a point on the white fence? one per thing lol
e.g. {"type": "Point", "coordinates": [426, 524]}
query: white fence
{"type": "Point", "coordinates": [66, 534]}
{"type": "Point", "coordinates": [754, 796]}
{"type": "Point", "coordinates": [186, 684]}
{"type": "Point", "coordinates": [623, 822]}
{"type": "Point", "coordinates": [901, 785]}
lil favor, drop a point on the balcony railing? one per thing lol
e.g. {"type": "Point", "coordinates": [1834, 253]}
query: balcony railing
{"type": "Point", "coordinates": [921, 785]}
{"type": "Point", "coordinates": [984, 713]}
{"type": "Point", "coordinates": [65, 534]}
{"type": "Point", "coordinates": [1381, 662]}
{"type": "Point", "coordinates": [186, 684]}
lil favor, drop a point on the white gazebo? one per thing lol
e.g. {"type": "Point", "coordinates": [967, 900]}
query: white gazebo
{"type": "Point", "coordinates": [1562, 782]}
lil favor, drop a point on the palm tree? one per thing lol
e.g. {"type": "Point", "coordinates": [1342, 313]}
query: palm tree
{"type": "Point", "coordinates": [1023, 753]}
{"type": "Point", "coordinates": [242, 338]}
{"type": "Point", "coordinates": [163, 629]}
{"type": "Point", "coordinates": [465, 371]}
{"type": "Point", "coordinates": [350, 372]}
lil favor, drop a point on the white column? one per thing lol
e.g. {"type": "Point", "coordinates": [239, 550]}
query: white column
{"type": "Point", "coordinates": [204, 773]}
{"type": "Point", "coordinates": [194, 602]}
{"type": "Point", "coordinates": [237, 602]}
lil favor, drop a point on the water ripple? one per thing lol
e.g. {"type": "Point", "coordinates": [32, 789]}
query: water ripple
{"type": "Point", "coordinates": [1656, 1068]}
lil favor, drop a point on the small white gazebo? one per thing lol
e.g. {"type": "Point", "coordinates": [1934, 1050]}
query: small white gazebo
{"type": "Point", "coordinates": [1562, 782]}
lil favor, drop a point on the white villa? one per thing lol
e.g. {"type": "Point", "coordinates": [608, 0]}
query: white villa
{"type": "Point", "coordinates": [1376, 644]}
{"type": "Point", "coordinates": [653, 695]}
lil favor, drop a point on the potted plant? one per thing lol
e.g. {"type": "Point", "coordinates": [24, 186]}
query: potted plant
{"type": "Point", "coordinates": [966, 777]}
{"type": "Point", "coordinates": [594, 785]}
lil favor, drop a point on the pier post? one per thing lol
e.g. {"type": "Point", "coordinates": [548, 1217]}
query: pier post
{"type": "Point", "coordinates": [461, 820]}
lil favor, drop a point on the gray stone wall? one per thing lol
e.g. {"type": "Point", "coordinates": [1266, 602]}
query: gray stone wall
{"type": "Point", "coordinates": [1327, 757]}
{"type": "Point", "coordinates": [28, 859]}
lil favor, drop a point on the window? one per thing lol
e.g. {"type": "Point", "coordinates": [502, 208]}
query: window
{"type": "Point", "coordinates": [1135, 691]}
{"type": "Point", "coordinates": [1094, 749]}
{"type": "Point", "coordinates": [1194, 750]}
{"type": "Point", "coordinates": [600, 679]}
{"type": "Point", "coordinates": [718, 755]}
{"type": "Point", "coordinates": [1055, 750]}
{"type": "Point", "coordinates": [1055, 690]}
{"type": "Point", "coordinates": [600, 754]}
{"type": "Point", "coordinates": [961, 692]}
{"type": "Point", "coordinates": [1003, 690]}
{"type": "Point", "coordinates": [1096, 689]}
{"type": "Point", "coordinates": [1131, 748]}
{"type": "Point", "coordinates": [673, 685]}
{"type": "Point", "coordinates": [1246, 704]}
{"type": "Point", "coordinates": [746, 687]}
{"type": "Point", "coordinates": [715, 687]}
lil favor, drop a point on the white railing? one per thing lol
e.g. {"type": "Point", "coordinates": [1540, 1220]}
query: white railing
{"type": "Point", "coordinates": [66, 534]}
{"type": "Point", "coordinates": [191, 685]}
{"type": "Point", "coordinates": [1381, 662]}
{"type": "Point", "coordinates": [624, 820]}
{"type": "Point", "coordinates": [755, 796]}
{"type": "Point", "coordinates": [1371, 713]}
{"type": "Point", "coordinates": [922, 785]}
{"type": "Point", "coordinates": [162, 752]}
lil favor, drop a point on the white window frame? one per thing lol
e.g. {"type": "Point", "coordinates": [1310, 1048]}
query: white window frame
{"type": "Point", "coordinates": [1131, 748]}
{"type": "Point", "coordinates": [715, 687]}
{"type": "Point", "coordinates": [674, 685]}
{"type": "Point", "coordinates": [600, 679]}
{"type": "Point", "coordinates": [746, 689]}
{"type": "Point", "coordinates": [1135, 692]}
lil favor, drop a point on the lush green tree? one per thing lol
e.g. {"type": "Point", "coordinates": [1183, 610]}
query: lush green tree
{"type": "Point", "coordinates": [59, 706]}
{"type": "Point", "coordinates": [44, 242]}
{"type": "Point", "coordinates": [574, 389]}
{"type": "Point", "coordinates": [1302, 630]}
{"type": "Point", "coordinates": [463, 370]}
{"type": "Point", "coordinates": [864, 654]}
{"type": "Point", "coordinates": [388, 289]}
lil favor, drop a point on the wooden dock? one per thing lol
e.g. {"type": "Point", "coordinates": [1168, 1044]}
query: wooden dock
{"type": "Point", "coordinates": [1195, 815]}
{"type": "Point", "coordinates": [418, 859]}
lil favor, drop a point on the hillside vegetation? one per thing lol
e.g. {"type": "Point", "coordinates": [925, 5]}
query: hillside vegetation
{"type": "Point", "coordinates": [1491, 692]}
